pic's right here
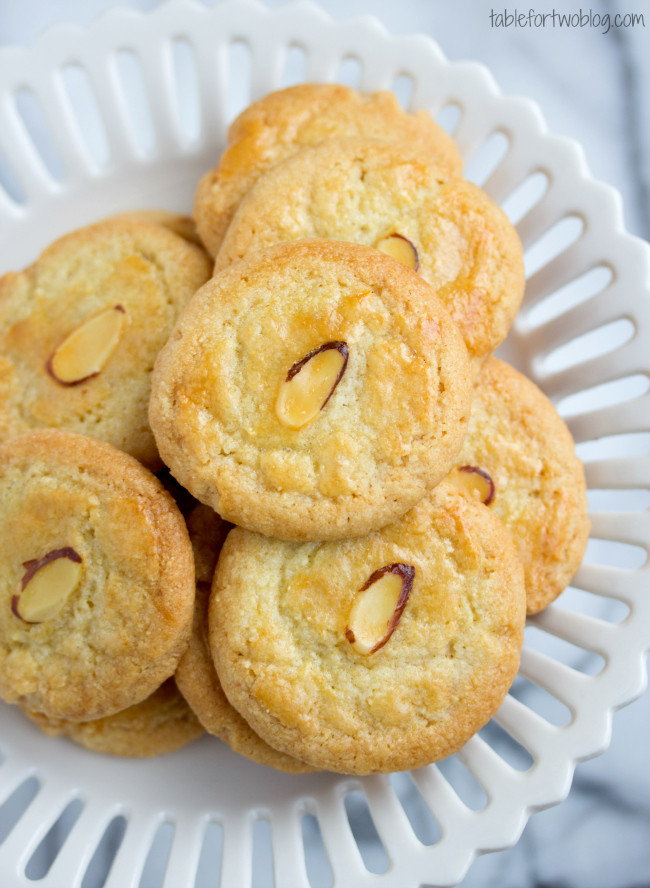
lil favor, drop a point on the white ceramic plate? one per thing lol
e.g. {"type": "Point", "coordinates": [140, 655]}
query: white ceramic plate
{"type": "Point", "coordinates": [128, 114]}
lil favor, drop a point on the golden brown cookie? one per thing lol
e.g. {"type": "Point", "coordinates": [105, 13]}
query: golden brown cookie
{"type": "Point", "coordinates": [80, 330]}
{"type": "Point", "coordinates": [535, 482]}
{"type": "Point", "coordinates": [161, 723]}
{"type": "Point", "coordinates": [394, 197]}
{"type": "Point", "coordinates": [376, 654]}
{"type": "Point", "coordinates": [196, 676]}
{"type": "Point", "coordinates": [285, 121]}
{"type": "Point", "coordinates": [198, 682]}
{"type": "Point", "coordinates": [316, 391]}
{"type": "Point", "coordinates": [96, 577]}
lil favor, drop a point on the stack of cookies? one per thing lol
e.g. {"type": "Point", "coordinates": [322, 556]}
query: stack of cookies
{"type": "Point", "coordinates": [363, 502]}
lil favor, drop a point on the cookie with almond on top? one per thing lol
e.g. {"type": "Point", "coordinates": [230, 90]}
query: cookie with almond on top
{"type": "Point", "coordinates": [96, 577]}
{"type": "Point", "coordinates": [314, 390]}
{"type": "Point", "coordinates": [81, 327]}
{"type": "Point", "coordinates": [286, 120]}
{"type": "Point", "coordinates": [397, 198]}
{"type": "Point", "coordinates": [519, 459]}
{"type": "Point", "coordinates": [376, 654]}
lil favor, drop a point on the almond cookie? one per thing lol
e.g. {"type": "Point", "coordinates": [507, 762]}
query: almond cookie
{"type": "Point", "coordinates": [196, 676]}
{"type": "Point", "coordinates": [315, 391]}
{"type": "Point", "coordinates": [394, 197]}
{"type": "Point", "coordinates": [285, 121]}
{"type": "Point", "coordinates": [161, 723]}
{"type": "Point", "coordinates": [96, 577]}
{"type": "Point", "coordinates": [519, 458]}
{"type": "Point", "coordinates": [80, 330]}
{"type": "Point", "coordinates": [376, 654]}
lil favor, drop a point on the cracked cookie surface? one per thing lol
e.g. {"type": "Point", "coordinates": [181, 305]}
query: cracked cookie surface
{"type": "Point", "coordinates": [367, 191]}
{"type": "Point", "coordinates": [279, 621]}
{"type": "Point", "coordinates": [516, 435]}
{"type": "Point", "coordinates": [388, 430]}
{"type": "Point", "coordinates": [91, 640]}
{"type": "Point", "coordinates": [286, 120]}
{"type": "Point", "coordinates": [81, 327]}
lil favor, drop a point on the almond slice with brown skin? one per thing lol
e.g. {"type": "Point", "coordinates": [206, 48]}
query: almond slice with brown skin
{"type": "Point", "coordinates": [310, 383]}
{"type": "Point", "coordinates": [47, 584]}
{"type": "Point", "coordinates": [378, 606]}
{"type": "Point", "coordinates": [475, 481]}
{"type": "Point", "coordinates": [400, 248]}
{"type": "Point", "coordinates": [86, 350]}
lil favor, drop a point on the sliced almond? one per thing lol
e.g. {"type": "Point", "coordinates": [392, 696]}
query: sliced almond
{"type": "Point", "coordinates": [310, 383]}
{"type": "Point", "coordinates": [475, 481]}
{"type": "Point", "coordinates": [400, 248]}
{"type": "Point", "coordinates": [86, 350]}
{"type": "Point", "coordinates": [47, 584]}
{"type": "Point", "coordinates": [378, 606]}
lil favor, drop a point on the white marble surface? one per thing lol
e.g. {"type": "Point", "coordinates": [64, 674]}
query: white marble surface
{"type": "Point", "coordinates": [595, 87]}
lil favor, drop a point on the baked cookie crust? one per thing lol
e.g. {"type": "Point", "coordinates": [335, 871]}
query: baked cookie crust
{"type": "Point", "coordinates": [199, 683]}
{"type": "Point", "coordinates": [516, 435]}
{"type": "Point", "coordinates": [370, 192]}
{"type": "Point", "coordinates": [286, 120]}
{"type": "Point", "coordinates": [390, 430]}
{"type": "Point", "coordinates": [132, 276]}
{"type": "Point", "coordinates": [280, 620]}
{"type": "Point", "coordinates": [196, 676]}
{"type": "Point", "coordinates": [108, 632]}
{"type": "Point", "coordinates": [160, 724]}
